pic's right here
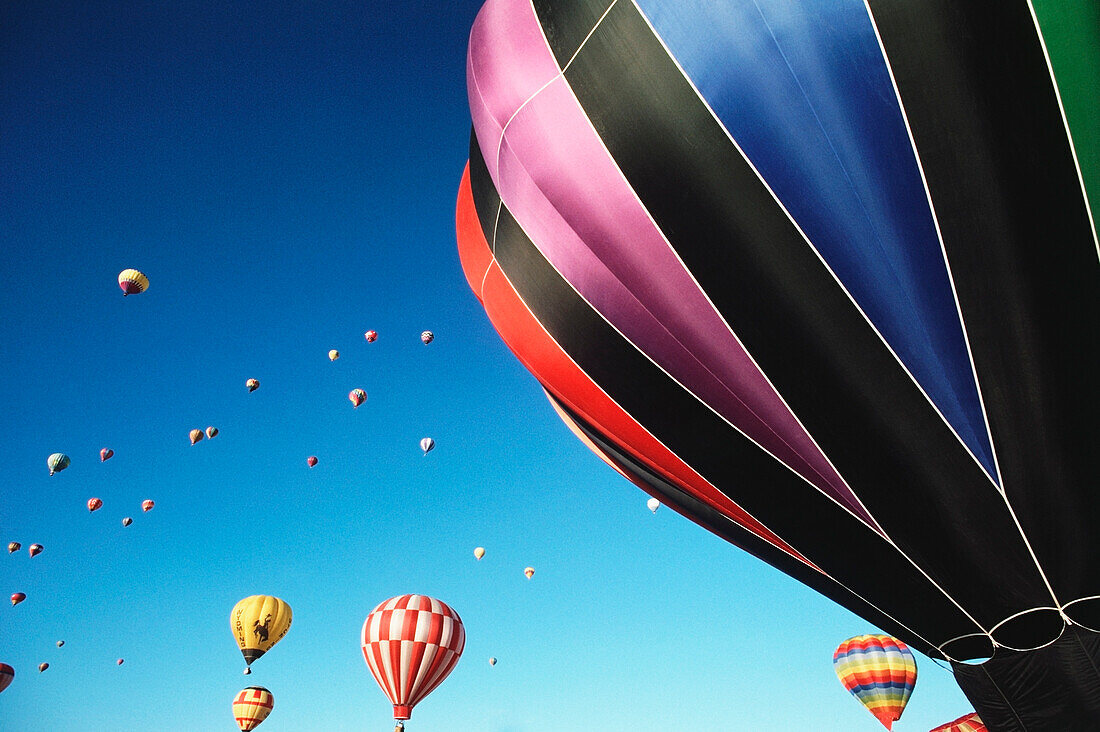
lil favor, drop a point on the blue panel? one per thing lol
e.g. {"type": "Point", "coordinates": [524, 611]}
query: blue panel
{"type": "Point", "coordinates": [803, 89]}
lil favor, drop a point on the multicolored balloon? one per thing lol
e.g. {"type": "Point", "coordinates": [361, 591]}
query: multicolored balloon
{"type": "Point", "coordinates": [653, 504]}
{"type": "Point", "coordinates": [132, 282]}
{"type": "Point", "coordinates": [333, 355]}
{"type": "Point", "coordinates": [127, 521]}
{"type": "Point", "coordinates": [427, 337]}
{"type": "Point", "coordinates": [492, 661]}
{"type": "Point", "coordinates": [34, 550]}
{"type": "Point", "coordinates": [211, 432]}
{"type": "Point", "coordinates": [57, 462]}
{"type": "Point", "coordinates": [252, 384]}
{"type": "Point", "coordinates": [479, 552]}
{"type": "Point", "coordinates": [417, 622]}
{"type": "Point", "coordinates": [7, 675]}
{"type": "Point", "coordinates": [147, 506]}
{"type": "Point", "coordinates": [17, 598]}
{"type": "Point", "coordinates": [13, 547]}
{"type": "Point", "coordinates": [251, 706]}
{"type": "Point", "coordinates": [879, 671]}
{"type": "Point", "coordinates": [259, 622]}
{"type": "Point", "coordinates": [529, 571]}
{"type": "Point", "coordinates": [106, 454]}
{"type": "Point", "coordinates": [966, 723]}
{"type": "Point", "coordinates": [195, 436]}
{"type": "Point", "coordinates": [371, 336]}
{"type": "Point", "coordinates": [311, 460]}
{"type": "Point", "coordinates": [427, 445]}
{"type": "Point", "coordinates": [357, 397]}
{"type": "Point", "coordinates": [94, 504]}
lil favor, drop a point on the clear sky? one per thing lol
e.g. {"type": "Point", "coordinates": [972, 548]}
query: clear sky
{"type": "Point", "coordinates": [285, 173]}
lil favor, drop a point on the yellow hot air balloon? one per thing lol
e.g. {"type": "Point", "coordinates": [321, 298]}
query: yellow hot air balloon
{"type": "Point", "coordinates": [132, 282]}
{"type": "Point", "coordinates": [530, 572]}
{"type": "Point", "coordinates": [251, 706]}
{"type": "Point", "coordinates": [333, 355]}
{"type": "Point", "coordinates": [259, 622]}
{"type": "Point", "coordinates": [479, 552]}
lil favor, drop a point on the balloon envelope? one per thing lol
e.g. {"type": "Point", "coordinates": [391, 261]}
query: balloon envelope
{"type": "Point", "coordinates": [106, 454]}
{"type": "Point", "coordinates": [479, 552]}
{"type": "Point", "coordinates": [252, 384]}
{"type": "Point", "coordinates": [879, 671]}
{"type": "Point", "coordinates": [94, 504]}
{"type": "Point", "coordinates": [35, 549]}
{"type": "Point", "coordinates": [7, 675]}
{"type": "Point", "coordinates": [17, 598]}
{"type": "Point", "coordinates": [195, 436]}
{"type": "Point", "coordinates": [966, 723]}
{"type": "Point", "coordinates": [427, 445]}
{"type": "Point", "coordinates": [42, 667]}
{"type": "Point", "coordinates": [357, 397]}
{"type": "Point", "coordinates": [311, 460]}
{"type": "Point", "coordinates": [427, 337]}
{"type": "Point", "coordinates": [492, 661]}
{"type": "Point", "coordinates": [333, 355]}
{"type": "Point", "coordinates": [251, 706]}
{"type": "Point", "coordinates": [119, 662]}
{"type": "Point", "coordinates": [13, 547]}
{"type": "Point", "coordinates": [57, 462]}
{"type": "Point", "coordinates": [132, 282]}
{"type": "Point", "coordinates": [211, 432]}
{"type": "Point", "coordinates": [60, 643]}
{"type": "Point", "coordinates": [147, 505]}
{"type": "Point", "coordinates": [653, 504]}
{"type": "Point", "coordinates": [530, 572]}
{"type": "Point", "coordinates": [127, 521]}
{"type": "Point", "coordinates": [259, 622]}
{"type": "Point", "coordinates": [371, 336]}
{"type": "Point", "coordinates": [411, 621]}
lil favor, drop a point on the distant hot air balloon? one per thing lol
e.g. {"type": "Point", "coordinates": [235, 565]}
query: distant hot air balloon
{"type": "Point", "coordinates": [42, 667]}
{"type": "Point", "coordinates": [106, 454]}
{"type": "Point", "coordinates": [60, 643]}
{"type": "Point", "coordinates": [479, 552]}
{"type": "Point", "coordinates": [247, 671]}
{"type": "Point", "coordinates": [57, 462]}
{"type": "Point", "coordinates": [13, 547]}
{"type": "Point", "coordinates": [252, 384]}
{"type": "Point", "coordinates": [94, 504]}
{"type": "Point", "coordinates": [195, 436]}
{"type": "Point", "coordinates": [427, 445]}
{"type": "Point", "coordinates": [492, 661]}
{"type": "Point", "coordinates": [879, 671]}
{"type": "Point", "coordinates": [127, 521]}
{"type": "Point", "coordinates": [357, 397]}
{"type": "Point", "coordinates": [417, 622]}
{"type": "Point", "coordinates": [653, 504]}
{"type": "Point", "coordinates": [147, 506]}
{"type": "Point", "coordinates": [371, 336]}
{"type": "Point", "coordinates": [35, 549]}
{"type": "Point", "coordinates": [17, 598]}
{"type": "Point", "coordinates": [7, 675]}
{"type": "Point", "coordinates": [132, 282]}
{"type": "Point", "coordinates": [311, 460]}
{"type": "Point", "coordinates": [258, 622]}
{"type": "Point", "coordinates": [333, 355]}
{"type": "Point", "coordinates": [530, 572]}
{"type": "Point", "coordinates": [966, 723]}
{"type": "Point", "coordinates": [211, 432]}
{"type": "Point", "coordinates": [427, 337]}
{"type": "Point", "coordinates": [119, 662]}
{"type": "Point", "coordinates": [251, 706]}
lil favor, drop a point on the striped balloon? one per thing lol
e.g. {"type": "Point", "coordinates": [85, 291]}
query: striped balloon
{"type": "Point", "coordinates": [132, 282]}
{"type": "Point", "coordinates": [252, 706]}
{"type": "Point", "coordinates": [411, 643]}
{"type": "Point", "coordinates": [880, 671]}
{"type": "Point", "coordinates": [966, 723]}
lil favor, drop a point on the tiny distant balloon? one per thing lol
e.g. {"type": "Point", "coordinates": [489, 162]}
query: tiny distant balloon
{"type": "Point", "coordinates": [492, 661]}
{"type": "Point", "coordinates": [57, 462]}
{"type": "Point", "coordinates": [357, 397]}
{"type": "Point", "coordinates": [127, 521]}
{"type": "Point", "coordinates": [211, 432]}
{"type": "Point", "coordinates": [427, 337]}
{"type": "Point", "coordinates": [147, 505]}
{"type": "Point", "coordinates": [42, 667]}
{"type": "Point", "coordinates": [132, 282]}
{"type": "Point", "coordinates": [479, 552]}
{"type": "Point", "coordinates": [427, 445]}
{"type": "Point", "coordinates": [333, 355]}
{"type": "Point", "coordinates": [530, 572]}
{"type": "Point", "coordinates": [94, 504]}
{"type": "Point", "coordinates": [119, 662]}
{"type": "Point", "coordinates": [653, 504]}
{"type": "Point", "coordinates": [17, 598]}
{"type": "Point", "coordinates": [60, 643]}
{"type": "Point", "coordinates": [252, 384]}
{"type": "Point", "coordinates": [195, 435]}
{"type": "Point", "coordinates": [252, 706]}
{"type": "Point", "coordinates": [35, 549]}
{"type": "Point", "coordinates": [13, 547]}
{"type": "Point", "coordinates": [106, 454]}
{"type": "Point", "coordinates": [7, 675]}
{"type": "Point", "coordinates": [371, 336]}
{"type": "Point", "coordinates": [247, 670]}
{"type": "Point", "coordinates": [311, 460]}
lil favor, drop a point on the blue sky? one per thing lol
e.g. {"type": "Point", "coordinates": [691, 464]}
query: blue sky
{"type": "Point", "coordinates": [286, 173]}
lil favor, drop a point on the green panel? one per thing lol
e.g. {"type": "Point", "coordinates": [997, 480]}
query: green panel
{"type": "Point", "coordinates": [1071, 30]}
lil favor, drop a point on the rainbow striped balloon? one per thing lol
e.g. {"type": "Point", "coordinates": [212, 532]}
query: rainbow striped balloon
{"type": "Point", "coordinates": [880, 671]}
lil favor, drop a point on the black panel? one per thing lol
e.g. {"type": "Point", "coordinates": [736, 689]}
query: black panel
{"type": "Point", "coordinates": [565, 31]}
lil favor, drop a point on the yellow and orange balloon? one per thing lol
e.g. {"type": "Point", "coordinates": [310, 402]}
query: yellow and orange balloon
{"type": "Point", "coordinates": [132, 282]}
{"type": "Point", "coordinates": [251, 706]}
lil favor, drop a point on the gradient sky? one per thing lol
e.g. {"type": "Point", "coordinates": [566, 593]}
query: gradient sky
{"type": "Point", "coordinates": [285, 173]}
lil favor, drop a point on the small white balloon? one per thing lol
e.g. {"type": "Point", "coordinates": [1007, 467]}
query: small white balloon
{"type": "Point", "coordinates": [653, 504]}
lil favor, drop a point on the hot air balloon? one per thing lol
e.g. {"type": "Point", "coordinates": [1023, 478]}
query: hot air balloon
{"type": "Point", "coordinates": [247, 671]}
{"type": "Point", "coordinates": [17, 598]}
{"type": "Point", "coordinates": [60, 643]}
{"type": "Point", "coordinates": [211, 432]}
{"type": "Point", "coordinates": [415, 621]}
{"type": "Point", "coordinates": [479, 552]}
{"type": "Point", "coordinates": [492, 661]}
{"type": "Point", "coordinates": [7, 675]}
{"type": "Point", "coordinates": [252, 384]}
{"type": "Point", "coordinates": [119, 662]}
{"type": "Point", "coordinates": [258, 622]}
{"type": "Point", "coordinates": [333, 355]}
{"type": "Point", "coordinates": [311, 460]}
{"type": "Point", "coordinates": [195, 436]}
{"type": "Point", "coordinates": [966, 723]}
{"type": "Point", "coordinates": [529, 571]}
{"type": "Point", "coordinates": [147, 506]}
{"type": "Point", "coordinates": [127, 521]}
{"type": "Point", "coordinates": [94, 504]}
{"type": "Point", "coordinates": [106, 454]}
{"type": "Point", "coordinates": [357, 397]}
{"type": "Point", "coordinates": [42, 667]}
{"type": "Point", "coordinates": [57, 462]}
{"type": "Point", "coordinates": [879, 671]}
{"type": "Point", "coordinates": [371, 336]}
{"type": "Point", "coordinates": [737, 243]}
{"type": "Point", "coordinates": [34, 550]}
{"type": "Point", "coordinates": [653, 504]}
{"type": "Point", "coordinates": [132, 282]}
{"type": "Point", "coordinates": [13, 547]}
{"type": "Point", "coordinates": [251, 706]}
{"type": "Point", "coordinates": [427, 337]}
{"type": "Point", "coordinates": [427, 445]}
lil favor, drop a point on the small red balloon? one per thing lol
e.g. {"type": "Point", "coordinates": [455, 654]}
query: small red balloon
{"type": "Point", "coordinates": [119, 662]}
{"type": "Point", "coordinates": [371, 336]}
{"type": "Point", "coordinates": [94, 503]}
{"type": "Point", "coordinates": [17, 598]}
{"type": "Point", "coordinates": [106, 454]}
{"type": "Point", "coordinates": [312, 460]}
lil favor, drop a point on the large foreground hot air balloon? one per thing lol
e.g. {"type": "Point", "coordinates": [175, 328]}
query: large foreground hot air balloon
{"type": "Point", "coordinates": [132, 282]}
{"type": "Point", "coordinates": [411, 643]}
{"type": "Point", "coordinates": [251, 706]}
{"type": "Point", "coordinates": [879, 671]}
{"type": "Point", "coordinates": [824, 278]}
{"type": "Point", "coordinates": [258, 622]}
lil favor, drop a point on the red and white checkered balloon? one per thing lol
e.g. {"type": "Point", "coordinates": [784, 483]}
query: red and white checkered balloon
{"type": "Point", "coordinates": [411, 643]}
